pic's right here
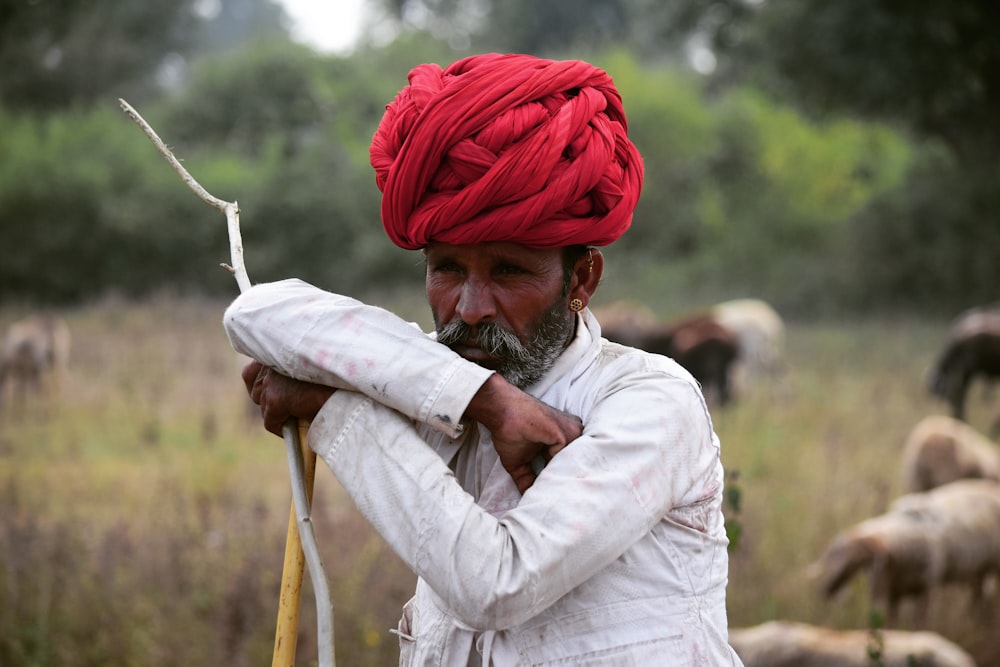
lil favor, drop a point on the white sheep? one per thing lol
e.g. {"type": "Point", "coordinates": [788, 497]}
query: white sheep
{"type": "Point", "coordinates": [761, 335]}
{"type": "Point", "coordinates": [626, 322]}
{"type": "Point", "coordinates": [34, 356]}
{"type": "Point", "coordinates": [787, 644]}
{"type": "Point", "coordinates": [942, 449]}
{"type": "Point", "coordinates": [948, 535]}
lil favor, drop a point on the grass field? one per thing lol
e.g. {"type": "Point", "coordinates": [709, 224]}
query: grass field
{"type": "Point", "coordinates": [143, 511]}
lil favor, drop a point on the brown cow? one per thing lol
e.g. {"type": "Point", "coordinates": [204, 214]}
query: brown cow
{"type": "Point", "coordinates": [34, 357]}
{"type": "Point", "coordinates": [972, 350]}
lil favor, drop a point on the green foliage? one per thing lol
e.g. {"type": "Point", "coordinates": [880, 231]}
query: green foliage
{"type": "Point", "coordinates": [875, 648]}
{"type": "Point", "coordinates": [929, 65]}
{"type": "Point", "coordinates": [746, 192]}
{"type": "Point", "coordinates": [88, 211]}
{"type": "Point", "coordinates": [932, 244]}
{"type": "Point", "coordinates": [676, 132]}
{"type": "Point", "coordinates": [648, 27]}
{"type": "Point", "coordinates": [225, 106]}
{"type": "Point", "coordinates": [58, 56]}
{"type": "Point", "coordinates": [733, 506]}
{"type": "Point", "coordinates": [49, 54]}
{"type": "Point", "coordinates": [525, 26]}
{"type": "Point", "coordinates": [824, 174]}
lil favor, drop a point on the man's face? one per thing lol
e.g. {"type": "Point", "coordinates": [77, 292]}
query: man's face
{"type": "Point", "coordinates": [500, 305]}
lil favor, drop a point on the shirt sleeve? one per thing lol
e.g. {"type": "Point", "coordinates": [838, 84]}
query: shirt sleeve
{"type": "Point", "coordinates": [334, 340]}
{"type": "Point", "coordinates": [596, 498]}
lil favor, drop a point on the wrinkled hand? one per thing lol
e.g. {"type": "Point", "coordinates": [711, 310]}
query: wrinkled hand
{"type": "Point", "coordinates": [281, 398]}
{"type": "Point", "coordinates": [522, 427]}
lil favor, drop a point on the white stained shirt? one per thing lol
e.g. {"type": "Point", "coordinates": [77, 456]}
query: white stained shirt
{"type": "Point", "coordinates": [616, 556]}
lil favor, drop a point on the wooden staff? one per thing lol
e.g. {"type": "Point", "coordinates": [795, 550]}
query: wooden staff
{"type": "Point", "coordinates": [300, 546]}
{"type": "Point", "coordinates": [286, 629]}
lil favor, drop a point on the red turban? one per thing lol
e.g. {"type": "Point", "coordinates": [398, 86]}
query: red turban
{"type": "Point", "coordinates": [506, 148]}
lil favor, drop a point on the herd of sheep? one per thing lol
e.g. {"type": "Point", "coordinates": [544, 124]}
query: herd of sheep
{"type": "Point", "coordinates": [943, 532]}
{"type": "Point", "coordinates": [732, 343]}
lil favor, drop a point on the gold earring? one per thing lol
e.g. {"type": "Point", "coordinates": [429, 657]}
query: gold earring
{"type": "Point", "coordinates": [576, 305]}
{"type": "Point", "coordinates": [590, 261]}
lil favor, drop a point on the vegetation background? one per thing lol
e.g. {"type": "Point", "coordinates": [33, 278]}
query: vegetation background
{"type": "Point", "coordinates": [834, 159]}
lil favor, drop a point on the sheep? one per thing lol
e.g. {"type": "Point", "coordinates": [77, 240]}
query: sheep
{"type": "Point", "coordinates": [942, 449]}
{"type": "Point", "coordinates": [925, 541]}
{"type": "Point", "coordinates": [625, 322]}
{"type": "Point", "coordinates": [761, 335]}
{"type": "Point", "coordinates": [698, 342]}
{"type": "Point", "coordinates": [971, 350]}
{"type": "Point", "coordinates": [789, 644]}
{"type": "Point", "coordinates": [705, 348]}
{"type": "Point", "coordinates": [34, 356]}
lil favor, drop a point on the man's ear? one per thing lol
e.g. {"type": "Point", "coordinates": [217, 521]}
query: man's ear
{"type": "Point", "coordinates": [587, 274]}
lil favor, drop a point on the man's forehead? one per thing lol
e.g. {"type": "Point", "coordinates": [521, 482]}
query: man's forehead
{"type": "Point", "coordinates": [493, 250]}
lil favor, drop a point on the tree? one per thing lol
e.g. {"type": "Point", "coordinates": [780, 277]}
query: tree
{"type": "Point", "coordinates": [58, 55]}
{"type": "Point", "coordinates": [651, 28]}
{"type": "Point", "coordinates": [933, 66]}
{"type": "Point", "coordinates": [61, 55]}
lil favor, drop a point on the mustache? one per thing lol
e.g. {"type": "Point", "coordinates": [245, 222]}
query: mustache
{"type": "Point", "coordinates": [499, 342]}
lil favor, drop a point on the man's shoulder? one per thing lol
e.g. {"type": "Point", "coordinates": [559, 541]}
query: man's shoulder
{"type": "Point", "coordinates": [623, 360]}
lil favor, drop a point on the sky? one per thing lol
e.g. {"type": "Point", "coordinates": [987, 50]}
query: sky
{"type": "Point", "coordinates": [331, 26]}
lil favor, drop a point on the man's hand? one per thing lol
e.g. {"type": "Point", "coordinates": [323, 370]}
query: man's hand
{"type": "Point", "coordinates": [280, 397]}
{"type": "Point", "coordinates": [522, 427]}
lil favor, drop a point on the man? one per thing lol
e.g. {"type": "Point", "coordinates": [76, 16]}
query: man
{"type": "Point", "coordinates": [558, 495]}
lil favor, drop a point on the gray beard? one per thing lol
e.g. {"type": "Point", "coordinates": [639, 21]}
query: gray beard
{"type": "Point", "coordinates": [520, 364]}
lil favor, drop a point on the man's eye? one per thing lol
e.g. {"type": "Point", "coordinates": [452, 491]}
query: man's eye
{"type": "Point", "coordinates": [446, 267]}
{"type": "Point", "coordinates": [511, 270]}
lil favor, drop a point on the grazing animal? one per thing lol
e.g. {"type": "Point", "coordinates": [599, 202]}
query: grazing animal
{"type": "Point", "coordinates": [942, 449]}
{"type": "Point", "coordinates": [705, 348]}
{"type": "Point", "coordinates": [972, 350]}
{"type": "Point", "coordinates": [760, 332]}
{"type": "Point", "coordinates": [788, 644]}
{"type": "Point", "coordinates": [948, 535]}
{"type": "Point", "coordinates": [626, 321]}
{"type": "Point", "coordinates": [34, 357]}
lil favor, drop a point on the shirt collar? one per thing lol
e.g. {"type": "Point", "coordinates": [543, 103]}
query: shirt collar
{"type": "Point", "coordinates": [584, 347]}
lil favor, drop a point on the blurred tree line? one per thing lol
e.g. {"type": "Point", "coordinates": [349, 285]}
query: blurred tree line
{"type": "Point", "coordinates": [828, 157]}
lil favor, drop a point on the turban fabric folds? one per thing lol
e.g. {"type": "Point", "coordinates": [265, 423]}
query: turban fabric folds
{"type": "Point", "coordinates": [506, 147]}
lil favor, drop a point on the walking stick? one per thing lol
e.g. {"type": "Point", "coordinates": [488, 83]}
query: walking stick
{"type": "Point", "coordinates": [301, 540]}
{"type": "Point", "coordinates": [286, 629]}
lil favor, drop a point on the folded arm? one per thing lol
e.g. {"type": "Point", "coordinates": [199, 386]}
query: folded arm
{"type": "Point", "coordinates": [306, 342]}
{"type": "Point", "coordinates": [521, 425]}
{"type": "Point", "coordinates": [328, 339]}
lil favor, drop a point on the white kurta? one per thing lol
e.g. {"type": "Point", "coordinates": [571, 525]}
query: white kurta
{"type": "Point", "coordinates": [615, 556]}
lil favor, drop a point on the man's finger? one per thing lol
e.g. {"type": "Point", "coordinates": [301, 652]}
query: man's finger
{"type": "Point", "coordinates": [523, 479]}
{"type": "Point", "coordinates": [250, 373]}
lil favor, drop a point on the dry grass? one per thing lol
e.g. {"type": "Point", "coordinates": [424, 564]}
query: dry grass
{"type": "Point", "coordinates": [144, 512]}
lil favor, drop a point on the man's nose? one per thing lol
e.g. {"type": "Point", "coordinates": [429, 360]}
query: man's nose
{"type": "Point", "coordinates": [476, 303]}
